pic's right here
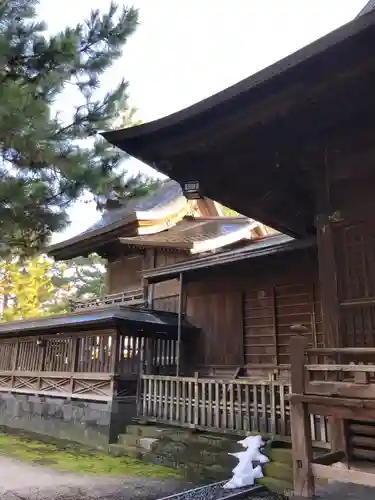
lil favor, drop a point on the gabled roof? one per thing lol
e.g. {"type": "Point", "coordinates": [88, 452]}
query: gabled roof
{"type": "Point", "coordinates": [198, 235]}
{"type": "Point", "coordinates": [133, 318]}
{"type": "Point", "coordinates": [249, 144]}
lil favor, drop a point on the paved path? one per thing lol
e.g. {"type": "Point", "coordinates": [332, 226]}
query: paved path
{"type": "Point", "coordinates": [22, 481]}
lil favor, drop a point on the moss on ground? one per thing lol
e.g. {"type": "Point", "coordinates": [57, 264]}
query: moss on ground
{"type": "Point", "coordinates": [78, 459]}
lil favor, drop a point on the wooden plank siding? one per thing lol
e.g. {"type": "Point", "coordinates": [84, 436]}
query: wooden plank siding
{"type": "Point", "coordinates": [245, 312]}
{"type": "Point", "coordinates": [269, 313]}
{"type": "Point", "coordinates": [355, 257]}
{"type": "Point", "coordinates": [125, 272]}
{"type": "Point", "coordinates": [219, 315]}
{"type": "Point", "coordinates": [353, 232]}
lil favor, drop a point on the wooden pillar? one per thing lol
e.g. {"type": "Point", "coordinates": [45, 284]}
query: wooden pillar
{"type": "Point", "coordinates": [115, 362]}
{"type": "Point", "coordinates": [179, 326]}
{"type": "Point", "coordinates": [74, 361]}
{"type": "Point", "coordinates": [303, 478]}
{"type": "Point", "coordinates": [328, 282]}
{"type": "Point", "coordinates": [146, 292]}
{"type": "Point", "coordinates": [16, 349]}
{"type": "Point", "coordinates": [149, 355]}
{"type": "Point", "coordinates": [113, 404]}
{"type": "Point", "coordinates": [152, 286]}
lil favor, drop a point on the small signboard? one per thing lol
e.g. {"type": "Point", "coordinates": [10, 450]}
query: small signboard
{"type": "Point", "coordinates": [191, 190]}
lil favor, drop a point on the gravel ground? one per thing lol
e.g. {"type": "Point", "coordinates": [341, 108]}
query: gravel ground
{"type": "Point", "coordinates": [21, 481]}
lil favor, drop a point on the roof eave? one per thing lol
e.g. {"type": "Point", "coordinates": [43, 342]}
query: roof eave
{"type": "Point", "coordinates": [87, 242]}
{"type": "Point", "coordinates": [178, 245]}
{"type": "Point", "coordinates": [352, 28]}
{"type": "Point", "coordinates": [169, 272]}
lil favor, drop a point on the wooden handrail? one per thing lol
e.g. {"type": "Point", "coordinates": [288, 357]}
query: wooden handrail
{"type": "Point", "coordinates": [131, 296]}
{"type": "Point", "coordinates": [342, 350]}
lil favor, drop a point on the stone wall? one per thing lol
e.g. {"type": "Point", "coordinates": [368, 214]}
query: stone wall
{"type": "Point", "coordinates": [202, 457]}
{"type": "Point", "coordinates": [88, 422]}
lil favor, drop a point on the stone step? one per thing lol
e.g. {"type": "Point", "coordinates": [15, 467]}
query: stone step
{"type": "Point", "coordinates": [145, 443]}
{"type": "Point", "coordinates": [194, 452]}
{"type": "Point", "coordinates": [149, 431]}
{"type": "Point", "coordinates": [121, 450]}
{"type": "Point", "coordinates": [227, 444]}
{"type": "Point", "coordinates": [276, 485]}
{"type": "Point", "coordinates": [283, 455]}
{"type": "Point", "coordinates": [279, 470]}
{"type": "Point", "coordinates": [128, 439]}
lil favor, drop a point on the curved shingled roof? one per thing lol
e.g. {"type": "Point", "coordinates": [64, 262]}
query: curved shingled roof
{"type": "Point", "coordinates": [168, 197]}
{"type": "Point", "coordinates": [165, 202]}
{"type": "Point", "coordinates": [146, 320]}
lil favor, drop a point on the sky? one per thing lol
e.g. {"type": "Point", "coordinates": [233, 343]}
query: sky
{"type": "Point", "coordinates": [187, 50]}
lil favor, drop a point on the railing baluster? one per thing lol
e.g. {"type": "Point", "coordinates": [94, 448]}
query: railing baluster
{"type": "Point", "coordinates": [255, 423]}
{"type": "Point", "coordinates": [217, 406]}
{"type": "Point", "coordinates": [224, 405]}
{"type": "Point", "coordinates": [209, 408]}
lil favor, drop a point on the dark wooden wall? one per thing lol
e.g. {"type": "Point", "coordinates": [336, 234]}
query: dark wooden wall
{"type": "Point", "coordinates": [219, 314]}
{"type": "Point", "coordinates": [354, 254]}
{"type": "Point", "coordinates": [246, 311]}
{"type": "Point", "coordinates": [126, 272]}
{"type": "Point", "coordinates": [165, 295]}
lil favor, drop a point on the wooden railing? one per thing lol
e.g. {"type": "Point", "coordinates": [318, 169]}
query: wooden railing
{"type": "Point", "coordinates": [81, 365]}
{"type": "Point", "coordinates": [345, 372]}
{"type": "Point", "coordinates": [239, 406]}
{"type": "Point", "coordinates": [131, 297]}
{"type": "Point", "coordinates": [340, 384]}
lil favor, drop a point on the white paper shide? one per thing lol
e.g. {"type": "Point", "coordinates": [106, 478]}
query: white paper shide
{"type": "Point", "coordinates": [245, 474]}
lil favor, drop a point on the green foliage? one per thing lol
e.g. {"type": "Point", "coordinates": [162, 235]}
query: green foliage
{"type": "Point", "coordinates": [48, 161]}
{"type": "Point", "coordinates": [78, 459]}
{"type": "Point", "coordinates": [82, 277]}
{"type": "Point", "coordinates": [26, 288]}
{"type": "Point", "coordinates": [39, 287]}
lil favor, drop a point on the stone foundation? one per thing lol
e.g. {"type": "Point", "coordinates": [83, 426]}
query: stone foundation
{"type": "Point", "coordinates": [202, 457]}
{"type": "Point", "coordinates": [91, 423]}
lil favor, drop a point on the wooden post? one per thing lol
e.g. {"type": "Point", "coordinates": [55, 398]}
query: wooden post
{"type": "Point", "coordinates": [115, 362]}
{"type": "Point", "coordinates": [15, 355]}
{"type": "Point", "coordinates": [328, 282]}
{"type": "Point", "coordinates": [149, 355]}
{"type": "Point", "coordinates": [15, 360]}
{"type": "Point", "coordinates": [179, 326]}
{"type": "Point", "coordinates": [196, 400]}
{"type": "Point", "coordinates": [152, 286]}
{"type": "Point", "coordinates": [146, 292]}
{"type": "Point", "coordinates": [301, 431]}
{"type": "Point", "coordinates": [74, 361]}
{"type": "Point", "coordinates": [338, 436]}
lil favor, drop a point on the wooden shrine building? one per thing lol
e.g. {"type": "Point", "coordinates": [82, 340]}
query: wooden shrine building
{"type": "Point", "coordinates": [293, 147]}
{"type": "Point", "coordinates": [76, 376]}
